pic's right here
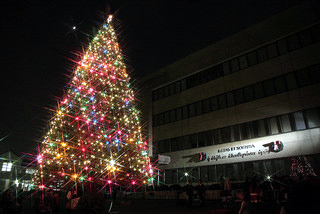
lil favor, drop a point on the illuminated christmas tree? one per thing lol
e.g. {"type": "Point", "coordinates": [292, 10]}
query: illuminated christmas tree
{"type": "Point", "coordinates": [301, 166]}
{"type": "Point", "coordinates": [95, 134]}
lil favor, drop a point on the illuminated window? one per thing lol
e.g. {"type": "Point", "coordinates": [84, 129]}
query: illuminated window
{"type": "Point", "coordinates": [6, 166]}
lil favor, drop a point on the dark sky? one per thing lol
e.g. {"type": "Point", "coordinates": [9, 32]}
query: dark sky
{"type": "Point", "coordinates": [37, 43]}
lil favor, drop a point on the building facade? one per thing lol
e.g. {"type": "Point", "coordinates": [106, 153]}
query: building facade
{"type": "Point", "coordinates": [246, 105]}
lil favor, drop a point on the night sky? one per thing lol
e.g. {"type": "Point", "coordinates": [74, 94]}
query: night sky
{"type": "Point", "coordinates": [38, 47]}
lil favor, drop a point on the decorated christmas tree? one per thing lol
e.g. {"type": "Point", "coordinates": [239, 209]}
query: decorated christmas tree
{"type": "Point", "coordinates": [301, 166]}
{"type": "Point", "coordinates": [95, 134]}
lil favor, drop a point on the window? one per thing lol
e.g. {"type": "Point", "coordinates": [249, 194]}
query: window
{"type": "Point", "coordinates": [180, 143]}
{"type": "Point", "coordinates": [272, 51]}
{"type": "Point", "coordinates": [280, 84]}
{"type": "Point", "coordinates": [262, 54]}
{"type": "Point", "coordinates": [226, 134]}
{"type": "Point", "coordinates": [187, 142]}
{"type": "Point", "coordinates": [192, 111]}
{"type": "Point", "coordinates": [155, 95]}
{"type": "Point", "coordinates": [174, 144]}
{"type": "Point", "coordinates": [209, 138]}
{"type": "Point", "coordinates": [315, 33]}
{"type": "Point", "coordinates": [230, 99]}
{"type": "Point", "coordinates": [168, 176]}
{"type": "Point", "coordinates": [313, 118]}
{"type": "Point", "coordinates": [235, 133]}
{"type": "Point", "coordinates": [299, 120]}
{"type": "Point", "coordinates": [174, 176]}
{"type": "Point", "coordinates": [183, 84]}
{"type": "Point", "coordinates": [217, 136]}
{"type": "Point", "coordinates": [155, 147]}
{"type": "Point", "coordinates": [30, 171]}
{"type": "Point", "coordinates": [244, 131]}
{"type": "Point", "coordinates": [173, 115]}
{"type": "Point", "coordinates": [222, 101]}
{"type": "Point", "coordinates": [166, 117]}
{"type": "Point", "coordinates": [178, 114]}
{"type": "Point", "coordinates": [268, 87]}
{"type": "Point", "coordinates": [204, 173]}
{"type": "Point", "coordinates": [166, 145]}
{"type": "Point", "coordinates": [206, 106]}
{"type": "Point", "coordinates": [166, 91]}
{"type": "Point", "coordinates": [226, 68]}
{"type": "Point", "coordinates": [239, 96]}
{"type": "Point", "coordinates": [6, 167]}
{"type": "Point", "coordinates": [234, 65]}
{"type": "Point", "coordinates": [194, 141]}
{"type": "Point", "coordinates": [212, 173]}
{"type": "Point", "coordinates": [185, 112]}
{"type": "Point", "coordinates": [252, 58]}
{"type": "Point", "coordinates": [282, 46]}
{"type": "Point", "coordinates": [261, 128]}
{"type": "Point", "coordinates": [160, 90]}
{"type": "Point", "coordinates": [253, 129]}
{"type": "Point", "coordinates": [195, 173]}
{"type": "Point", "coordinates": [199, 108]}
{"type": "Point", "coordinates": [202, 139]}
{"type": "Point", "coordinates": [285, 123]}
{"type": "Point", "coordinates": [303, 77]}
{"type": "Point", "coordinates": [315, 73]}
{"type": "Point", "coordinates": [293, 42]}
{"type": "Point", "coordinates": [258, 90]}
{"type": "Point", "coordinates": [160, 118]}
{"type": "Point", "coordinates": [243, 62]}
{"type": "Point", "coordinates": [248, 93]}
{"type": "Point", "coordinates": [171, 89]}
{"type": "Point", "coordinates": [214, 103]}
{"type": "Point", "coordinates": [305, 37]}
{"type": "Point", "coordinates": [273, 127]}
{"type": "Point", "coordinates": [291, 81]}
{"type": "Point", "coordinates": [177, 87]}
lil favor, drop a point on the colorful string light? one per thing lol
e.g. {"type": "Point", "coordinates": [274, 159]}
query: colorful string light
{"type": "Point", "coordinates": [95, 134]}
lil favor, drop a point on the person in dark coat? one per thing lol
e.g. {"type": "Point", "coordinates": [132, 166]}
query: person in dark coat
{"type": "Point", "coordinates": [7, 202]}
{"type": "Point", "coordinates": [189, 192]}
{"type": "Point", "coordinates": [201, 189]}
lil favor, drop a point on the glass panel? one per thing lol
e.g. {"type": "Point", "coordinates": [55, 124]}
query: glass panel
{"type": "Point", "coordinates": [212, 175]}
{"type": "Point", "coordinates": [299, 120]}
{"type": "Point", "coordinates": [243, 62]}
{"type": "Point", "coordinates": [174, 176]}
{"type": "Point", "coordinates": [171, 89]}
{"type": "Point", "coordinates": [234, 65]}
{"type": "Point", "coordinates": [261, 128]}
{"type": "Point", "coordinates": [161, 118]}
{"type": "Point", "coordinates": [161, 146]}
{"type": "Point", "coordinates": [226, 134]}
{"type": "Point", "coordinates": [280, 84]}
{"type": "Point", "coordinates": [229, 169]}
{"type": "Point", "coordinates": [258, 90]}
{"type": "Point", "coordinates": [206, 106]}
{"type": "Point", "coordinates": [185, 112]}
{"type": "Point", "coordinates": [209, 138]}
{"type": "Point", "coordinates": [192, 111]}
{"type": "Point", "coordinates": [244, 131]}
{"type": "Point", "coordinates": [239, 96]}
{"type": "Point", "coordinates": [315, 33]}
{"type": "Point", "coordinates": [173, 115]}
{"type": "Point", "coordinates": [315, 73]}
{"type": "Point", "coordinates": [291, 81]}
{"type": "Point", "coordinates": [155, 120]}
{"type": "Point", "coordinates": [178, 114]}
{"type": "Point", "coordinates": [273, 127]}
{"type": "Point", "coordinates": [230, 99]}
{"type": "Point", "coordinates": [174, 144]}
{"type": "Point", "coordinates": [222, 101]}
{"type": "Point", "coordinates": [195, 174]}
{"type": "Point", "coordinates": [217, 136]}
{"type": "Point", "coordinates": [253, 129]}
{"type": "Point", "coordinates": [221, 171]}
{"type": "Point", "coordinates": [166, 91]}
{"type": "Point", "coordinates": [226, 68]}
{"type": "Point", "coordinates": [194, 141]}
{"type": "Point", "coordinates": [262, 54]}
{"type": "Point", "coordinates": [313, 117]}
{"type": "Point", "coordinates": [285, 123]}
{"type": "Point", "coordinates": [177, 87]}
{"type": "Point", "coordinates": [160, 93]}
{"type": "Point", "coordinates": [166, 117]}
{"type": "Point", "coordinates": [272, 50]}
{"type": "Point", "coordinates": [293, 42]}
{"type": "Point", "coordinates": [180, 143]}
{"type": "Point", "coordinates": [268, 87]}
{"type": "Point", "coordinates": [235, 133]}
{"type": "Point", "coordinates": [155, 95]}
{"type": "Point", "coordinates": [187, 142]}
{"type": "Point", "coordinates": [248, 169]}
{"type": "Point", "coordinates": [248, 93]}
{"type": "Point", "coordinates": [214, 103]}
{"type": "Point", "coordinates": [155, 147]}
{"type": "Point", "coordinates": [252, 58]}
{"type": "Point", "coordinates": [282, 46]}
{"type": "Point", "coordinates": [305, 37]}
{"type": "Point", "coordinates": [238, 169]}
{"type": "Point", "coordinates": [202, 139]}
{"type": "Point", "coordinates": [166, 145]}
{"type": "Point", "coordinates": [183, 85]}
{"type": "Point", "coordinates": [303, 77]}
{"type": "Point", "coordinates": [199, 108]}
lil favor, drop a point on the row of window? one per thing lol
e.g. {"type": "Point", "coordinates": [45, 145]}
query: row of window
{"type": "Point", "coordinates": [280, 47]}
{"type": "Point", "coordinates": [277, 85]}
{"type": "Point", "coordinates": [300, 120]}
{"type": "Point", "coordinates": [6, 167]}
{"type": "Point", "coordinates": [236, 171]}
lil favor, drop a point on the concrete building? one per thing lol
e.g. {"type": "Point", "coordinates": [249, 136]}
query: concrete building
{"type": "Point", "coordinates": [244, 105]}
{"type": "Point", "coordinates": [13, 175]}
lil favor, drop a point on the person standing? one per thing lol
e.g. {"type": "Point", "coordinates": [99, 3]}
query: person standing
{"type": "Point", "coordinates": [201, 189]}
{"type": "Point", "coordinates": [7, 202]}
{"type": "Point", "coordinates": [189, 192]}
